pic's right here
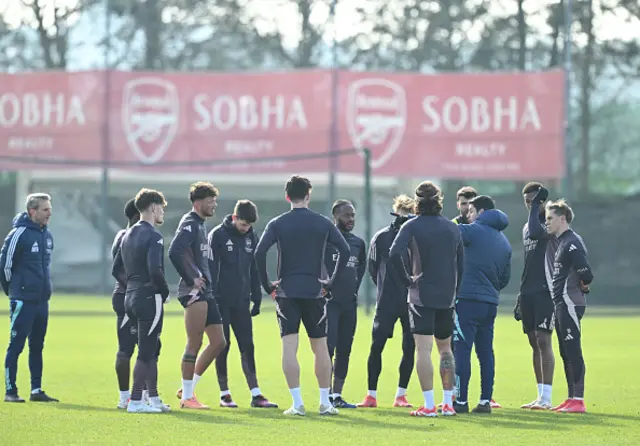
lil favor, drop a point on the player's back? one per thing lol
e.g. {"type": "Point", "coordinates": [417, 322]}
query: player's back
{"type": "Point", "coordinates": [135, 250]}
{"type": "Point", "coordinates": [302, 238]}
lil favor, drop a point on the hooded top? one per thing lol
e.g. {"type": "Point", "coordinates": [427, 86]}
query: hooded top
{"type": "Point", "coordinates": [25, 260]}
{"type": "Point", "coordinates": [487, 257]}
{"type": "Point", "coordinates": [233, 267]}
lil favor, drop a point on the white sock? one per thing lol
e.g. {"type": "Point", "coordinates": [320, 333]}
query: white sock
{"type": "Point", "coordinates": [336, 395]}
{"type": "Point", "coordinates": [578, 399]}
{"type": "Point", "coordinates": [34, 391]}
{"type": "Point", "coordinates": [324, 397]}
{"type": "Point", "coordinates": [224, 393]}
{"type": "Point", "coordinates": [187, 389]}
{"type": "Point", "coordinates": [448, 397]}
{"type": "Point", "coordinates": [125, 395]}
{"type": "Point", "coordinates": [483, 402]}
{"type": "Point", "coordinates": [297, 398]}
{"type": "Point", "coordinates": [428, 399]}
{"type": "Point", "coordinates": [401, 392]}
{"type": "Point", "coordinates": [145, 394]}
{"type": "Point", "coordinates": [196, 378]}
{"type": "Point", "coordinates": [255, 392]}
{"type": "Point", "coordinates": [372, 393]}
{"type": "Point", "coordinates": [540, 390]}
{"type": "Point", "coordinates": [546, 393]}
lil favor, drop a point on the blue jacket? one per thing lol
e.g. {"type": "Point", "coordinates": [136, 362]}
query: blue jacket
{"type": "Point", "coordinates": [25, 261]}
{"type": "Point", "coordinates": [487, 258]}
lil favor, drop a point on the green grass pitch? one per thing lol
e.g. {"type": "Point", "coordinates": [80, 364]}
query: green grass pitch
{"type": "Point", "coordinates": [79, 370]}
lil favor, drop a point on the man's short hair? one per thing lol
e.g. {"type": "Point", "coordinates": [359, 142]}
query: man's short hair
{"type": "Point", "coordinates": [33, 200]}
{"type": "Point", "coordinates": [467, 192]}
{"type": "Point", "coordinates": [146, 197]}
{"type": "Point", "coordinates": [246, 210]}
{"type": "Point", "coordinates": [561, 207]}
{"type": "Point", "coordinates": [483, 202]}
{"type": "Point", "coordinates": [428, 199]}
{"type": "Point", "coordinates": [202, 190]}
{"type": "Point", "coordinates": [404, 203]}
{"type": "Point", "coordinates": [297, 188]}
{"type": "Point", "coordinates": [338, 204]}
{"type": "Point", "coordinates": [130, 210]}
{"type": "Point", "coordinates": [532, 186]}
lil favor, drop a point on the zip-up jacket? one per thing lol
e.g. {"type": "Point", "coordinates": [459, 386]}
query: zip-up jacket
{"type": "Point", "coordinates": [25, 261]}
{"type": "Point", "coordinates": [233, 267]}
{"type": "Point", "coordinates": [538, 245]}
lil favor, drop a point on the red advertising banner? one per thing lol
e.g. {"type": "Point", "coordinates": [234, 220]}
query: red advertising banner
{"type": "Point", "coordinates": [491, 126]}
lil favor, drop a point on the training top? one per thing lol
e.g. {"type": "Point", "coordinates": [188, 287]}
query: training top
{"type": "Point", "coordinates": [345, 288]}
{"type": "Point", "coordinates": [189, 253]}
{"type": "Point", "coordinates": [121, 278]}
{"type": "Point", "coordinates": [301, 236]}
{"type": "Point", "coordinates": [538, 244]}
{"type": "Point", "coordinates": [436, 252]}
{"type": "Point", "coordinates": [142, 254]}
{"type": "Point", "coordinates": [570, 266]}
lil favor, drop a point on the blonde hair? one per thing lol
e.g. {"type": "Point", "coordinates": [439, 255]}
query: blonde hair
{"type": "Point", "coordinates": [403, 203]}
{"type": "Point", "coordinates": [561, 207]}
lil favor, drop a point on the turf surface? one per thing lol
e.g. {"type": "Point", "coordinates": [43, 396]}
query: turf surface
{"type": "Point", "coordinates": [79, 370]}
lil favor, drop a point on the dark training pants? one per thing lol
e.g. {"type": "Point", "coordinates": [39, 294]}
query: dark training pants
{"type": "Point", "coordinates": [569, 333]}
{"type": "Point", "coordinates": [341, 319]}
{"type": "Point", "coordinates": [474, 323]}
{"type": "Point", "coordinates": [237, 318]}
{"type": "Point", "coordinates": [28, 319]}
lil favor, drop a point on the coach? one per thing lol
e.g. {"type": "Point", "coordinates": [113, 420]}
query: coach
{"type": "Point", "coordinates": [25, 262]}
{"type": "Point", "coordinates": [487, 269]}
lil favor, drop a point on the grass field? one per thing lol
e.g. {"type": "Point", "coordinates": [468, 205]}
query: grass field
{"type": "Point", "coordinates": [80, 351]}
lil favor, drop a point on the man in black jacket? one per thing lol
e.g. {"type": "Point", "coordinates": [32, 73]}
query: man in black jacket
{"type": "Point", "coordinates": [391, 305]}
{"type": "Point", "coordinates": [190, 254]}
{"type": "Point", "coordinates": [342, 308]}
{"type": "Point", "coordinates": [436, 264]}
{"type": "Point", "coordinates": [234, 273]}
{"type": "Point", "coordinates": [25, 262]}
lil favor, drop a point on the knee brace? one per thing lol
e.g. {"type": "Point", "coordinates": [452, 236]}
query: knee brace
{"type": "Point", "coordinates": [189, 358]}
{"type": "Point", "coordinates": [126, 355]}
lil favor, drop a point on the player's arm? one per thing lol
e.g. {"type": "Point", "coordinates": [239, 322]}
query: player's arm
{"type": "Point", "coordinates": [256, 292]}
{"type": "Point", "coordinates": [398, 247]}
{"type": "Point", "coordinates": [467, 232]}
{"type": "Point", "coordinates": [155, 254]}
{"type": "Point", "coordinates": [535, 226]}
{"type": "Point", "coordinates": [117, 269]}
{"type": "Point", "coordinates": [578, 258]}
{"type": "Point", "coordinates": [181, 243]}
{"type": "Point", "coordinates": [362, 264]}
{"type": "Point", "coordinates": [374, 259]}
{"type": "Point", "coordinates": [460, 259]}
{"type": "Point", "coordinates": [9, 256]}
{"type": "Point", "coordinates": [337, 240]}
{"type": "Point", "coordinates": [268, 239]}
{"type": "Point", "coordinates": [214, 260]}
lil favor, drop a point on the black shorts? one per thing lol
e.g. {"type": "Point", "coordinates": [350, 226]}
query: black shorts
{"type": "Point", "coordinates": [431, 322]}
{"type": "Point", "coordinates": [213, 312]}
{"type": "Point", "coordinates": [238, 318]}
{"type": "Point", "coordinates": [146, 313]}
{"type": "Point", "coordinates": [569, 329]}
{"type": "Point", "coordinates": [537, 312]}
{"type": "Point", "coordinates": [312, 313]}
{"type": "Point", "coordinates": [385, 318]}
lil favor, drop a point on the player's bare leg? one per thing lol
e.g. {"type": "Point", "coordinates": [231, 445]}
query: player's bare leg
{"type": "Point", "coordinates": [447, 374]}
{"type": "Point", "coordinates": [291, 370]}
{"type": "Point", "coordinates": [323, 369]}
{"type": "Point", "coordinates": [217, 343]}
{"type": "Point", "coordinates": [547, 366]}
{"type": "Point", "coordinates": [194, 321]}
{"type": "Point", "coordinates": [537, 367]}
{"type": "Point", "coordinates": [424, 368]}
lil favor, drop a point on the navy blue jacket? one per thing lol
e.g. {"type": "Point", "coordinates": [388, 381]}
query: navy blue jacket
{"type": "Point", "coordinates": [345, 288]}
{"type": "Point", "coordinates": [302, 236]}
{"type": "Point", "coordinates": [487, 258]}
{"type": "Point", "coordinates": [25, 261]}
{"type": "Point", "coordinates": [233, 269]}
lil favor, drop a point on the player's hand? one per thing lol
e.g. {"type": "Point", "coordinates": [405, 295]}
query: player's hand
{"type": "Point", "coordinates": [274, 288]}
{"type": "Point", "coordinates": [584, 287]}
{"type": "Point", "coordinates": [199, 283]}
{"type": "Point", "coordinates": [415, 279]}
{"type": "Point", "coordinates": [517, 313]}
{"type": "Point", "coordinates": [255, 309]}
{"type": "Point", "coordinates": [542, 195]}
